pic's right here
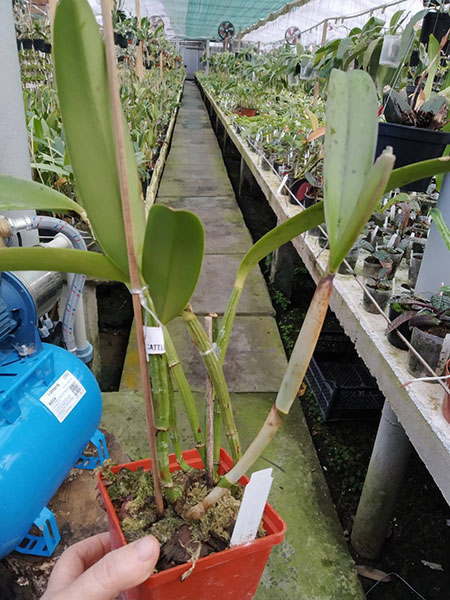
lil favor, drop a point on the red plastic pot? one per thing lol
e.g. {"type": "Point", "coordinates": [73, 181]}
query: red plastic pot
{"type": "Point", "coordinates": [246, 112]}
{"type": "Point", "coordinates": [232, 574]}
{"type": "Point", "coordinates": [446, 404]}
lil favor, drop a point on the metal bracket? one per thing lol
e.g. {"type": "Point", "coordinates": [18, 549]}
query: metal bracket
{"type": "Point", "coordinates": [45, 544]}
{"type": "Point", "coordinates": [92, 462]}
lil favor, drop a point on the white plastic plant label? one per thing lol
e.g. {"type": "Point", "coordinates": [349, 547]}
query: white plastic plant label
{"type": "Point", "coordinates": [252, 507]}
{"type": "Point", "coordinates": [62, 397]}
{"type": "Point", "coordinates": [154, 340]}
{"type": "Point", "coordinates": [282, 184]}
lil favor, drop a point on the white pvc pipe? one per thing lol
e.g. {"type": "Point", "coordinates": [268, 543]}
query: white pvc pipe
{"type": "Point", "coordinates": [14, 155]}
{"type": "Point", "coordinates": [435, 267]}
{"type": "Point", "coordinates": [79, 328]}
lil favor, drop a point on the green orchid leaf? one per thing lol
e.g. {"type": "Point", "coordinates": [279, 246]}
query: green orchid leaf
{"type": "Point", "coordinates": [398, 199]}
{"type": "Point", "coordinates": [172, 258]}
{"type": "Point", "coordinates": [47, 168]}
{"type": "Point", "coordinates": [20, 194]}
{"type": "Point", "coordinates": [371, 192]}
{"type": "Point", "coordinates": [416, 171]}
{"type": "Point", "coordinates": [60, 259]}
{"type": "Point", "coordinates": [442, 226]}
{"type": "Point", "coordinates": [85, 103]}
{"type": "Point", "coordinates": [408, 32]}
{"type": "Point", "coordinates": [434, 53]}
{"type": "Point", "coordinates": [287, 231]}
{"type": "Point", "coordinates": [351, 133]}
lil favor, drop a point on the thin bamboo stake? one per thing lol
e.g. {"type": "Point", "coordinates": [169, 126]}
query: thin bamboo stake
{"type": "Point", "coordinates": [132, 263]}
{"type": "Point", "coordinates": [139, 49]}
{"type": "Point", "coordinates": [52, 7]}
{"type": "Point", "coordinates": [161, 63]}
{"type": "Point", "coordinates": [215, 371]}
{"type": "Point", "coordinates": [209, 467]}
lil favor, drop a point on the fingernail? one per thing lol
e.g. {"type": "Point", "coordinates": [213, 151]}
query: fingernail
{"type": "Point", "coordinates": [145, 548]}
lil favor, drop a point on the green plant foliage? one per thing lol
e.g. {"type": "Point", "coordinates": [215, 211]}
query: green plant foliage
{"type": "Point", "coordinates": [352, 185]}
{"type": "Point", "coordinates": [19, 194]}
{"type": "Point", "coordinates": [83, 93]}
{"type": "Point", "coordinates": [60, 259]}
{"type": "Point", "coordinates": [172, 259]}
{"type": "Point", "coordinates": [287, 231]}
{"type": "Point", "coordinates": [441, 225]}
{"type": "Point", "coordinates": [409, 173]}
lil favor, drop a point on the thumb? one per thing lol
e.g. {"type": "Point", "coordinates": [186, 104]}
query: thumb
{"type": "Point", "coordinates": [116, 572]}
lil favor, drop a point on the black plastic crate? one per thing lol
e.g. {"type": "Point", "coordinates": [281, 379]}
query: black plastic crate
{"type": "Point", "coordinates": [334, 342]}
{"type": "Point", "coordinates": [343, 387]}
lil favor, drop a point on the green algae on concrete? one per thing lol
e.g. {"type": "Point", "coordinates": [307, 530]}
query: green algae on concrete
{"type": "Point", "coordinates": [199, 155]}
{"type": "Point", "coordinates": [255, 361]}
{"type": "Point", "coordinates": [225, 230]}
{"type": "Point", "coordinates": [195, 180]}
{"type": "Point", "coordinates": [216, 284]}
{"type": "Point", "coordinates": [312, 563]}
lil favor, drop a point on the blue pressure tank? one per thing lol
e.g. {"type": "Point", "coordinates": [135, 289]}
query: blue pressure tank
{"type": "Point", "coordinates": [50, 408]}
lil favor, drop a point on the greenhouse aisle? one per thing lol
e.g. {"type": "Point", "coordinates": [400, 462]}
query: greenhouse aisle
{"type": "Point", "coordinates": [313, 562]}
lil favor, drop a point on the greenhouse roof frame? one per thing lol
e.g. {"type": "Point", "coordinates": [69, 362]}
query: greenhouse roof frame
{"type": "Point", "coordinates": [200, 19]}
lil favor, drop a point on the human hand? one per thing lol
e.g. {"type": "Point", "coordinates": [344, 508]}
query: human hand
{"type": "Point", "coordinates": [89, 570]}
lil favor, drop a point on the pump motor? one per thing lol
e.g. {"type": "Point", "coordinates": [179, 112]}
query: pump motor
{"type": "Point", "coordinates": [50, 409]}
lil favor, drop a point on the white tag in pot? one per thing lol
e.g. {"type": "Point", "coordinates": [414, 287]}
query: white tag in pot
{"type": "Point", "coordinates": [252, 507]}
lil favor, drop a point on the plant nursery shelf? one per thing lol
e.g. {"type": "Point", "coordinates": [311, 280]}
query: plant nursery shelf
{"type": "Point", "coordinates": [152, 190]}
{"type": "Point", "coordinates": [417, 406]}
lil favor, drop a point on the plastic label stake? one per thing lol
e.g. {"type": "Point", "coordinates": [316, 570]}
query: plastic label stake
{"type": "Point", "coordinates": [252, 507]}
{"type": "Point", "coordinates": [282, 184]}
{"type": "Point", "coordinates": [154, 340]}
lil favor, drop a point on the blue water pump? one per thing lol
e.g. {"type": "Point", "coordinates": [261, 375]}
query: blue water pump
{"type": "Point", "coordinates": [50, 408]}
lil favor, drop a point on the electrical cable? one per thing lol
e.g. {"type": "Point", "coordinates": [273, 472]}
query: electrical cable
{"type": "Point", "coordinates": [401, 579]}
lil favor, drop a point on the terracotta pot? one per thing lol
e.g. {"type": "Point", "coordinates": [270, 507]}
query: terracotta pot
{"type": "Point", "coordinates": [228, 575]}
{"type": "Point", "coordinates": [246, 112]}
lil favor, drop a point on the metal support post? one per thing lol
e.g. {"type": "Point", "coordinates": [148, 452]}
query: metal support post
{"type": "Point", "coordinates": [139, 67]}
{"type": "Point", "coordinates": [282, 268]}
{"type": "Point", "coordinates": [241, 176]}
{"type": "Point", "coordinates": [434, 270]}
{"type": "Point", "coordinates": [14, 156]}
{"type": "Point", "coordinates": [384, 477]}
{"type": "Point", "coordinates": [324, 39]}
{"type": "Point", "coordinates": [207, 56]}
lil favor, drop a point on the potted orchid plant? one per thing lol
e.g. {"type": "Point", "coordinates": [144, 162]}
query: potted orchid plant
{"type": "Point", "coordinates": [168, 251]}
